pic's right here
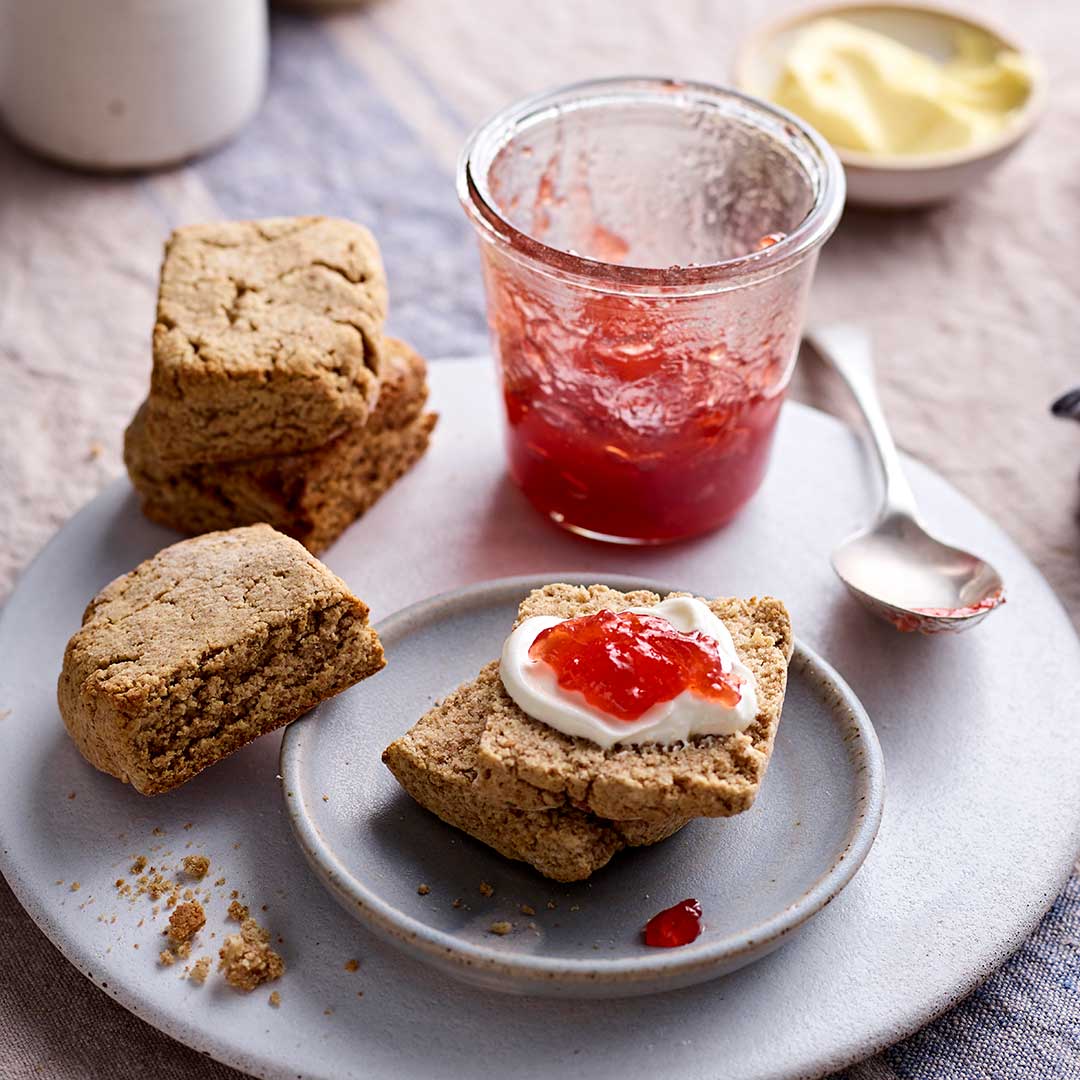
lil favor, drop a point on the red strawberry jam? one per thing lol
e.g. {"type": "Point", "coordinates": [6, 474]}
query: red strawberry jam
{"type": "Point", "coordinates": [626, 663]}
{"type": "Point", "coordinates": [674, 926]}
{"type": "Point", "coordinates": [769, 239]}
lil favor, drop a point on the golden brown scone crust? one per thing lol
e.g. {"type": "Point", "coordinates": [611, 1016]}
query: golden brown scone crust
{"type": "Point", "coordinates": [435, 763]}
{"type": "Point", "coordinates": [523, 763]}
{"type": "Point", "coordinates": [312, 496]}
{"type": "Point", "coordinates": [209, 644]}
{"type": "Point", "coordinates": [267, 337]}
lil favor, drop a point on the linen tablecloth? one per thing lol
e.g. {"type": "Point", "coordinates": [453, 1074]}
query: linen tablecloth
{"type": "Point", "coordinates": [973, 307]}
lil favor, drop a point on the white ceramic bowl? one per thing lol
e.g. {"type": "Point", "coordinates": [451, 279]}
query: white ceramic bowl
{"type": "Point", "coordinates": [909, 180]}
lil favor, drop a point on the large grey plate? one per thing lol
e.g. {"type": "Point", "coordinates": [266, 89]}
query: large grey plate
{"type": "Point", "coordinates": [980, 736]}
{"type": "Point", "coordinates": [758, 877]}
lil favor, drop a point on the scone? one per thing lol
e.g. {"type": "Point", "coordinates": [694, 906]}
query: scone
{"type": "Point", "coordinates": [523, 763]}
{"type": "Point", "coordinates": [435, 762]}
{"type": "Point", "coordinates": [267, 337]}
{"type": "Point", "coordinates": [312, 495]}
{"type": "Point", "coordinates": [209, 644]}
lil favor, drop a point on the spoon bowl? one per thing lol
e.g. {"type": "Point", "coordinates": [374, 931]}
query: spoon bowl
{"type": "Point", "coordinates": [916, 582]}
{"type": "Point", "coordinates": [895, 566]}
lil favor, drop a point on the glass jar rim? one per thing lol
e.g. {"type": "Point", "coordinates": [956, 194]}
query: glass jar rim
{"type": "Point", "coordinates": [485, 141]}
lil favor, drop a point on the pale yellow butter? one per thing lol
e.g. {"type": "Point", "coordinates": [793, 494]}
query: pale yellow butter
{"type": "Point", "coordinates": [865, 91]}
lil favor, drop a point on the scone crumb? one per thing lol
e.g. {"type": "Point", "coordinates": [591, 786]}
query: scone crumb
{"type": "Point", "coordinates": [200, 970]}
{"type": "Point", "coordinates": [139, 865]}
{"type": "Point", "coordinates": [423, 890]}
{"type": "Point", "coordinates": [220, 881]}
{"type": "Point", "coordinates": [75, 886]}
{"type": "Point", "coordinates": [486, 889]}
{"type": "Point", "coordinates": [501, 928]}
{"type": "Point", "coordinates": [185, 921]}
{"type": "Point", "coordinates": [352, 965]}
{"type": "Point", "coordinates": [166, 958]}
{"type": "Point", "coordinates": [457, 902]}
{"type": "Point", "coordinates": [526, 909]}
{"type": "Point", "coordinates": [196, 866]}
{"type": "Point", "coordinates": [247, 959]}
{"type": "Point", "coordinates": [238, 911]}
{"type": "Point", "coordinates": [552, 905]}
{"type": "Point", "coordinates": [275, 999]}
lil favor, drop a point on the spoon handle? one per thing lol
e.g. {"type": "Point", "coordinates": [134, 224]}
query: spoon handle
{"type": "Point", "coordinates": [847, 349]}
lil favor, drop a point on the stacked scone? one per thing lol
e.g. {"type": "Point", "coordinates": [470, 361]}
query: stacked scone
{"type": "Point", "coordinates": [537, 772]}
{"type": "Point", "coordinates": [275, 396]}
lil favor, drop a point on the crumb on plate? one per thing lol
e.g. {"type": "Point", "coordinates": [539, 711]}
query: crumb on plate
{"type": "Point", "coordinates": [238, 911]}
{"type": "Point", "coordinates": [185, 921]}
{"type": "Point", "coordinates": [200, 970]}
{"type": "Point", "coordinates": [247, 959]}
{"type": "Point", "coordinates": [196, 866]}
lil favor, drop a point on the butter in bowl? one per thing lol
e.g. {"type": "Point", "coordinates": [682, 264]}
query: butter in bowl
{"type": "Point", "coordinates": [919, 103]}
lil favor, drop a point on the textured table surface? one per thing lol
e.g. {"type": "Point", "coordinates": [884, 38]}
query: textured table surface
{"type": "Point", "coordinates": [972, 307]}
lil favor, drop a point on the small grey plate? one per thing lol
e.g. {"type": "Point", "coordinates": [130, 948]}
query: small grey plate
{"type": "Point", "coordinates": [759, 877]}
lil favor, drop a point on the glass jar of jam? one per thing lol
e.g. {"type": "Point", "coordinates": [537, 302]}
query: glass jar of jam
{"type": "Point", "coordinates": [647, 248]}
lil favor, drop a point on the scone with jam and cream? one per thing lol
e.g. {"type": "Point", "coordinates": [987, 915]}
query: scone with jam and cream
{"type": "Point", "coordinates": [636, 711]}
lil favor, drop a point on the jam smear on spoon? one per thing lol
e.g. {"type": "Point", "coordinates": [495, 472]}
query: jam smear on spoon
{"type": "Point", "coordinates": [624, 664]}
{"type": "Point", "coordinates": [677, 925]}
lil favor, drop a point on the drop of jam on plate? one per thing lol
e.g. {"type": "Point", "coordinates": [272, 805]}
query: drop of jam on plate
{"type": "Point", "coordinates": [674, 926]}
{"type": "Point", "coordinates": [769, 239]}
{"type": "Point", "coordinates": [624, 664]}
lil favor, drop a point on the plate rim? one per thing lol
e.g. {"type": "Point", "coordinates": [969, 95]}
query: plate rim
{"type": "Point", "coordinates": [449, 952]}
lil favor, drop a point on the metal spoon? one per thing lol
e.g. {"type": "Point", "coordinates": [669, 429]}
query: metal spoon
{"type": "Point", "coordinates": [895, 567]}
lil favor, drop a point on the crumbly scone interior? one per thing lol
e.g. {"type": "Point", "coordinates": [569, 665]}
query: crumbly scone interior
{"type": "Point", "coordinates": [247, 689]}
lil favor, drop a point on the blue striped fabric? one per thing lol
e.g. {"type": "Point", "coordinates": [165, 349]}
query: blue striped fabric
{"type": "Point", "coordinates": [327, 141]}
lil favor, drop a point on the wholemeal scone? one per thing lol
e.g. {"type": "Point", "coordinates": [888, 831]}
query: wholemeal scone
{"type": "Point", "coordinates": [523, 763]}
{"type": "Point", "coordinates": [267, 337]}
{"type": "Point", "coordinates": [311, 495]}
{"type": "Point", "coordinates": [209, 644]}
{"type": "Point", "coordinates": [435, 762]}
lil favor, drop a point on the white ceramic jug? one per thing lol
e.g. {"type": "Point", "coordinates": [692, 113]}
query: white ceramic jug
{"type": "Point", "coordinates": [119, 84]}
